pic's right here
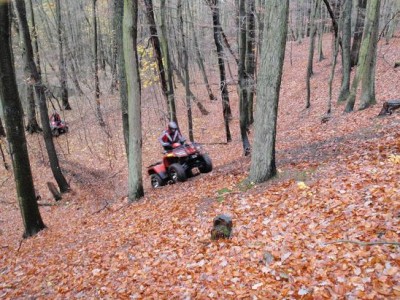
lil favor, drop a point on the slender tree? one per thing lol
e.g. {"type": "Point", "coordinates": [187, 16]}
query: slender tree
{"type": "Point", "coordinates": [61, 59]}
{"type": "Point", "coordinates": [199, 56]}
{"type": "Point", "coordinates": [123, 87]}
{"type": "Point", "coordinates": [156, 47]}
{"type": "Point", "coordinates": [168, 64]}
{"type": "Point", "coordinates": [36, 81]}
{"type": "Point", "coordinates": [313, 30]}
{"type": "Point", "coordinates": [96, 67]}
{"type": "Point", "coordinates": [135, 181]}
{"type": "Point", "coordinates": [358, 32]}
{"type": "Point", "coordinates": [185, 69]}
{"type": "Point", "coordinates": [250, 57]}
{"type": "Point", "coordinates": [243, 79]}
{"type": "Point", "coordinates": [32, 125]}
{"type": "Point", "coordinates": [263, 164]}
{"type": "Point", "coordinates": [346, 44]}
{"type": "Point", "coordinates": [15, 131]}
{"type": "Point", "coordinates": [221, 65]}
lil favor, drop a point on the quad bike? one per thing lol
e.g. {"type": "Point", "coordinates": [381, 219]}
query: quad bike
{"type": "Point", "coordinates": [57, 126]}
{"type": "Point", "coordinates": [177, 164]}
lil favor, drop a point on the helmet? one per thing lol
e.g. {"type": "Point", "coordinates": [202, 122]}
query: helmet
{"type": "Point", "coordinates": [172, 126]}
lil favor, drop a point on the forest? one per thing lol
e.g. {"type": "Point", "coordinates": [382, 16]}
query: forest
{"type": "Point", "coordinates": [285, 183]}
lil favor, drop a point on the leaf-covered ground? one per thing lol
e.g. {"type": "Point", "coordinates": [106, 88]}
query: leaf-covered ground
{"type": "Point", "coordinates": [313, 232]}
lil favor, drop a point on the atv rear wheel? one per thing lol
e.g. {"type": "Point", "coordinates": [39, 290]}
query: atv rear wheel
{"type": "Point", "coordinates": [156, 181]}
{"type": "Point", "coordinates": [206, 166]}
{"type": "Point", "coordinates": [55, 132]}
{"type": "Point", "coordinates": [177, 173]}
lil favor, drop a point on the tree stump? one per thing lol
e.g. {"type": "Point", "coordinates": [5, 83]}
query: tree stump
{"type": "Point", "coordinates": [222, 228]}
{"type": "Point", "coordinates": [389, 106]}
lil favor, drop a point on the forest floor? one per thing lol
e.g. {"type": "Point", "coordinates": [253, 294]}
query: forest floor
{"type": "Point", "coordinates": [303, 235]}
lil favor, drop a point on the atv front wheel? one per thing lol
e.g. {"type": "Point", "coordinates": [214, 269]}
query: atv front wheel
{"type": "Point", "coordinates": [156, 181]}
{"type": "Point", "coordinates": [177, 173]}
{"type": "Point", "coordinates": [206, 166]}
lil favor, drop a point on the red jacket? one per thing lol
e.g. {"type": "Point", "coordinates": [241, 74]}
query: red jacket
{"type": "Point", "coordinates": [168, 138]}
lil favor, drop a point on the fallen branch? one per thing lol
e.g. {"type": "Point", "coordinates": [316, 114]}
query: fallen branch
{"type": "Point", "coordinates": [364, 243]}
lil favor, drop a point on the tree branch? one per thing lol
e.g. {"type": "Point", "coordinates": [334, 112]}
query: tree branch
{"type": "Point", "coordinates": [334, 23]}
{"type": "Point", "coordinates": [364, 243]}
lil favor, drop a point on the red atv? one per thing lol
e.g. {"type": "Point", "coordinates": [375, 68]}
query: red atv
{"type": "Point", "coordinates": [57, 126]}
{"type": "Point", "coordinates": [178, 163]}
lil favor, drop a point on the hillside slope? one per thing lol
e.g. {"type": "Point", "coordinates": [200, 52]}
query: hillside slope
{"type": "Point", "coordinates": [300, 235]}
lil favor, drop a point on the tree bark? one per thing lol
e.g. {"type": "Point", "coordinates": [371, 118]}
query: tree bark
{"type": "Point", "coordinates": [250, 58]}
{"type": "Point", "coordinates": [263, 165]}
{"type": "Point", "coordinates": [358, 32]}
{"type": "Point", "coordinates": [368, 98]}
{"type": "Point", "coordinates": [310, 71]}
{"type": "Point", "coordinates": [11, 104]}
{"type": "Point", "coordinates": [367, 60]}
{"type": "Point", "coordinates": [123, 86]}
{"type": "Point", "coordinates": [227, 114]}
{"type": "Point", "coordinates": [62, 63]}
{"type": "Point", "coordinates": [156, 47]}
{"type": "Point", "coordinates": [165, 49]}
{"type": "Point", "coordinates": [200, 59]}
{"type": "Point", "coordinates": [135, 182]}
{"type": "Point", "coordinates": [99, 114]}
{"type": "Point", "coordinates": [243, 79]}
{"type": "Point", "coordinates": [346, 44]}
{"type": "Point", "coordinates": [35, 80]}
{"type": "Point", "coordinates": [185, 70]}
{"type": "Point", "coordinates": [2, 131]}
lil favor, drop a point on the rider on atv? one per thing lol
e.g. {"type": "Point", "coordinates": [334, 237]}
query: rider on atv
{"type": "Point", "coordinates": [171, 136]}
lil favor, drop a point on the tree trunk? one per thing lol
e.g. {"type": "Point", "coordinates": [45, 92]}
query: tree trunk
{"type": "Point", "coordinates": [2, 131]}
{"type": "Point", "coordinates": [123, 86]}
{"type": "Point", "coordinates": [99, 114]}
{"type": "Point", "coordinates": [320, 29]}
{"type": "Point", "coordinates": [243, 79]}
{"type": "Point", "coordinates": [199, 57]}
{"type": "Point", "coordinates": [250, 58]}
{"type": "Point", "coordinates": [310, 71]}
{"type": "Point", "coordinates": [156, 47]}
{"type": "Point", "coordinates": [11, 104]}
{"type": "Point", "coordinates": [114, 49]}
{"type": "Point", "coordinates": [61, 62]}
{"type": "Point", "coordinates": [367, 59]}
{"type": "Point", "coordinates": [358, 32]}
{"type": "Point", "coordinates": [367, 98]}
{"type": "Point", "coordinates": [346, 44]}
{"type": "Point", "coordinates": [185, 70]}
{"type": "Point", "coordinates": [263, 164]}
{"type": "Point", "coordinates": [135, 182]}
{"type": "Point", "coordinates": [35, 80]}
{"type": "Point", "coordinates": [221, 64]}
{"type": "Point", "coordinates": [200, 106]}
{"type": "Point", "coordinates": [167, 58]}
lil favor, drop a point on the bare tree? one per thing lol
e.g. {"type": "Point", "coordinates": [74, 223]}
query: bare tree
{"type": "Point", "coordinates": [61, 62]}
{"type": "Point", "coordinates": [135, 181]}
{"type": "Point", "coordinates": [36, 80]}
{"type": "Point", "coordinates": [367, 60]}
{"type": "Point", "coordinates": [99, 115]}
{"type": "Point", "coordinates": [31, 217]}
{"type": "Point", "coordinates": [221, 65]}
